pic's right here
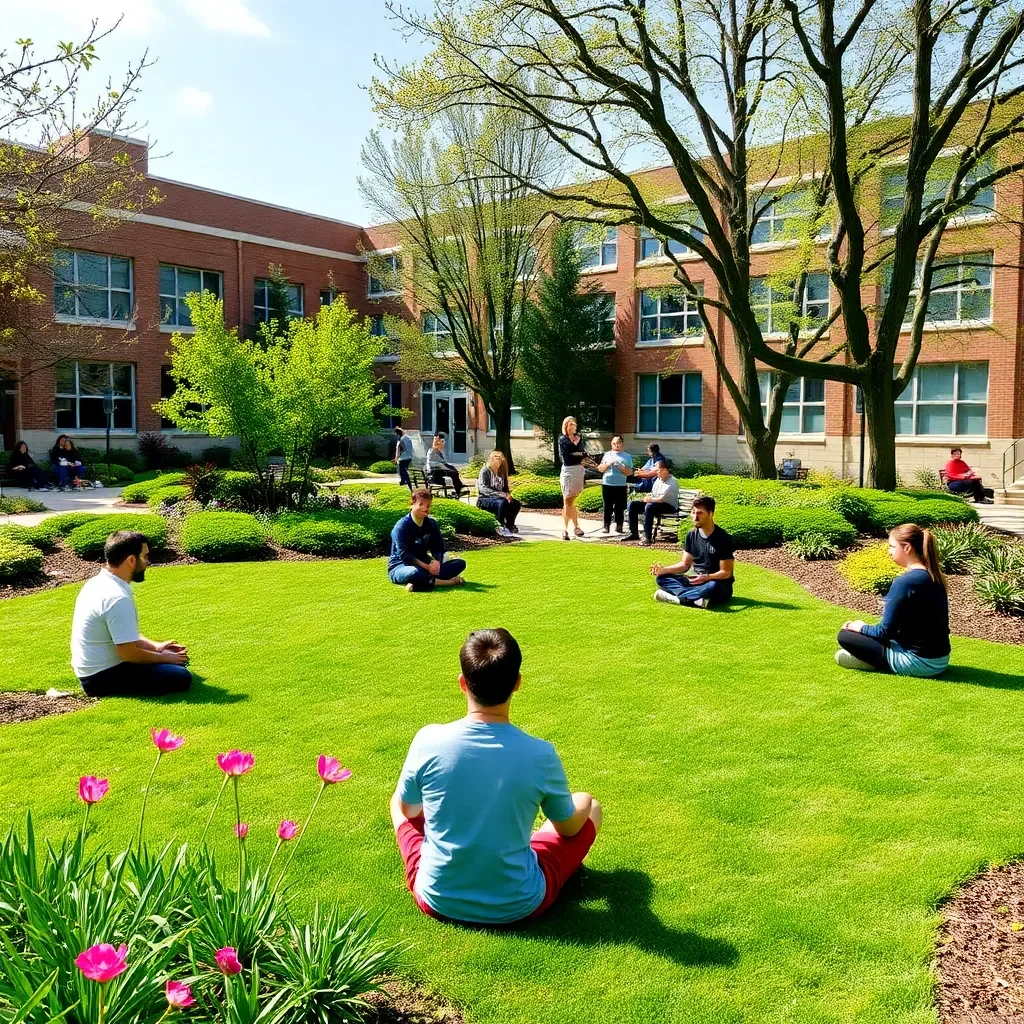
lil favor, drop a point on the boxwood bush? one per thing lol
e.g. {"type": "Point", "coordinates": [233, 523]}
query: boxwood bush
{"type": "Point", "coordinates": [222, 536]}
{"type": "Point", "coordinates": [239, 490]}
{"type": "Point", "coordinates": [12, 505]}
{"type": "Point", "coordinates": [218, 454]}
{"type": "Point", "coordinates": [323, 533]}
{"type": "Point", "coordinates": [382, 466]}
{"type": "Point", "coordinates": [63, 523]}
{"type": "Point", "coordinates": [35, 536]}
{"type": "Point", "coordinates": [590, 500]}
{"type": "Point", "coordinates": [536, 492]}
{"type": "Point", "coordinates": [139, 492]}
{"type": "Point", "coordinates": [113, 474]}
{"type": "Point", "coordinates": [753, 526]}
{"type": "Point", "coordinates": [18, 560]}
{"type": "Point", "coordinates": [87, 540]}
{"type": "Point", "coordinates": [459, 518]}
{"type": "Point", "coordinates": [163, 496]}
{"type": "Point", "coordinates": [871, 570]}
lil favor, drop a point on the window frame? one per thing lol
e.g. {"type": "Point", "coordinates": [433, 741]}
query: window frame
{"type": "Point", "coordinates": [392, 257]}
{"type": "Point", "coordinates": [168, 426]}
{"type": "Point", "coordinates": [802, 404]}
{"type": "Point", "coordinates": [265, 282]}
{"type": "Point", "coordinates": [943, 262]}
{"type": "Point", "coordinates": [805, 300]}
{"type": "Point", "coordinates": [663, 246]}
{"type": "Point", "coordinates": [169, 325]}
{"type": "Point", "coordinates": [889, 212]}
{"type": "Point", "coordinates": [387, 386]}
{"type": "Point", "coordinates": [609, 240]}
{"type": "Point", "coordinates": [78, 395]}
{"type": "Point", "coordinates": [683, 405]}
{"type": "Point", "coordinates": [916, 403]}
{"type": "Point", "coordinates": [776, 221]}
{"type": "Point", "coordinates": [75, 288]}
{"type": "Point", "coordinates": [688, 311]}
{"type": "Point", "coordinates": [521, 431]}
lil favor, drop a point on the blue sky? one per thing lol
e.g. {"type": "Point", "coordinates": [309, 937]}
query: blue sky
{"type": "Point", "coordinates": [261, 98]}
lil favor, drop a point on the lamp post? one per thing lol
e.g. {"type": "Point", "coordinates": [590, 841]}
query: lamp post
{"type": "Point", "coordinates": [859, 410]}
{"type": "Point", "coordinates": [108, 413]}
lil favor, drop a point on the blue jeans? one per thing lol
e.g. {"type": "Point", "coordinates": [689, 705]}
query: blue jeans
{"type": "Point", "coordinates": [129, 680]}
{"type": "Point", "coordinates": [421, 579]}
{"type": "Point", "coordinates": [650, 510]}
{"type": "Point", "coordinates": [67, 473]}
{"type": "Point", "coordinates": [714, 591]}
{"type": "Point", "coordinates": [504, 510]}
{"type": "Point", "coordinates": [403, 473]}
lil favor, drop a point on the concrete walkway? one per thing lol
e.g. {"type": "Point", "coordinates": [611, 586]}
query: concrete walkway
{"type": "Point", "coordinates": [90, 499]}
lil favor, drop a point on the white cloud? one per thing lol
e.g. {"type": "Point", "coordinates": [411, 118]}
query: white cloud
{"type": "Point", "coordinates": [228, 16]}
{"type": "Point", "coordinates": [140, 17]}
{"type": "Point", "coordinates": [192, 101]}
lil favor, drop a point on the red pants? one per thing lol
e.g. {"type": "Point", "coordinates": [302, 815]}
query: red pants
{"type": "Point", "coordinates": [559, 858]}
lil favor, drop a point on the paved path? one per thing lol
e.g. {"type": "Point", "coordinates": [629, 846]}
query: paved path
{"type": "Point", "coordinates": [91, 499]}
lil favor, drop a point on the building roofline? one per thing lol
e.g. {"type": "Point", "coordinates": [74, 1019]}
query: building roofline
{"type": "Point", "coordinates": [120, 138]}
{"type": "Point", "coordinates": [255, 202]}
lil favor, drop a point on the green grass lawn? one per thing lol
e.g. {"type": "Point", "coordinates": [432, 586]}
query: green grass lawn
{"type": "Point", "coordinates": [778, 833]}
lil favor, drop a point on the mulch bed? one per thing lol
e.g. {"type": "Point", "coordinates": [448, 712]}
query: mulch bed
{"type": "Point", "coordinates": [980, 957]}
{"type": "Point", "coordinates": [409, 1004]}
{"type": "Point", "coordinates": [27, 706]}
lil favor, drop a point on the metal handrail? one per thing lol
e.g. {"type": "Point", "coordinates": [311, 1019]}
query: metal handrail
{"type": "Point", "coordinates": [1012, 460]}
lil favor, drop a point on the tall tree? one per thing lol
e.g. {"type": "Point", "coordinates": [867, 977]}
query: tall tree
{"type": "Point", "coordinates": [563, 359]}
{"type": "Point", "coordinates": [468, 225]}
{"type": "Point", "coordinates": [732, 96]}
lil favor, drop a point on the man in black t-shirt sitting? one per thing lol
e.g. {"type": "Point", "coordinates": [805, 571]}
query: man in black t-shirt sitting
{"type": "Point", "coordinates": [708, 549]}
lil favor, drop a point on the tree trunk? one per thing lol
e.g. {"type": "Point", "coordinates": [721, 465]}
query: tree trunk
{"type": "Point", "coordinates": [556, 455]}
{"type": "Point", "coordinates": [503, 433]}
{"type": "Point", "coordinates": [880, 415]}
{"type": "Point", "coordinates": [762, 456]}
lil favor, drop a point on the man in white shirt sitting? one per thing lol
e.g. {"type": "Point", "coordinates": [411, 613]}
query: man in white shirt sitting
{"type": "Point", "coordinates": [664, 498]}
{"type": "Point", "coordinates": [109, 655]}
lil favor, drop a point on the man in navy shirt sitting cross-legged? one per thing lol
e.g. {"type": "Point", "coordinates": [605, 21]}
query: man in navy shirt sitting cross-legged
{"type": "Point", "coordinates": [417, 550]}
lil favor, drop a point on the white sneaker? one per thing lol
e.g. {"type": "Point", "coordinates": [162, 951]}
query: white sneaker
{"type": "Point", "coordinates": [97, 483]}
{"type": "Point", "coordinates": [665, 597]}
{"type": "Point", "coordinates": [503, 532]}
{"type": "Point", "coordinates": [701, 602]}
{"type": "Point", "coordinates": [844, 659]}
{"type": "Point", "coordinates": [605, 531]}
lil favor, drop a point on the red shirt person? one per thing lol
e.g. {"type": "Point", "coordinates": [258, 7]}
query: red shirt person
{"type": "Point", "coordinates": [961, 479]}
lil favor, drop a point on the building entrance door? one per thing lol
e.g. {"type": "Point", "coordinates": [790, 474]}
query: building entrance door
{"type": "Point", "coordinates": [8, 396]}
{"type": "Point", "coordinates": [444, 410]}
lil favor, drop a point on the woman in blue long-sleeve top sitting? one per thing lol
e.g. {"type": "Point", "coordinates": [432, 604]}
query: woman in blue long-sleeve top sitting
{"type": "Point", "coordinates": [913, 637]}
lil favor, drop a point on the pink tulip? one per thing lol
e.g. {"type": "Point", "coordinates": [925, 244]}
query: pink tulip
{"type": "Point", "coordinates": [330, 770]}
{"type": "Point", "coordinates": [287, 830]}
{"type": "Point", "coordinates": [236, 762]}
{"type": "Point", "coordinates": [179, 995]}
{"type": "Point", "coordinates": [102, 962]}
{"type": "Point", "coordinates": [241, 830]}
{"type": "Point", "coordinates": [165, 740]}
{"type": "Point", "coordinates": [92, 790]}
{"type": "Point", "coordinates": [227, 960]}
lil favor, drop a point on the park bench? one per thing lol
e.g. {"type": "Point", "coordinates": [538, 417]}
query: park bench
{"type": "Point", "coordinates": [671, 522]}
{"type": "Point", "coordinates": [790, 469]}
{"type": "Point", "coordinates": [438, 488]}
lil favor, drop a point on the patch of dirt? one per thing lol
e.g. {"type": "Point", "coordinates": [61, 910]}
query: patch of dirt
{"type": "Point", "coordinates": [402, 1003]}
{"type": "Point", "coordinates": [822, 579]}
{"type": "Point", "coordinates": [27, 706]}
{"type": "Point", "coordinates": [980, 957]}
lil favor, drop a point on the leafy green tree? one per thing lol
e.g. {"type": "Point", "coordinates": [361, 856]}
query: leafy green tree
{"type": "Point", "coordinates": [278, 300]}
{"type": "Point", "coordinates": [563, 357]}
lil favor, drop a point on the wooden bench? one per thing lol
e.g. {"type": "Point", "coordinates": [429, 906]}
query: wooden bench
{"type": "Point", "coordinates": [671, 522]}
{"type": "Point", "coordinates": [442, 488]}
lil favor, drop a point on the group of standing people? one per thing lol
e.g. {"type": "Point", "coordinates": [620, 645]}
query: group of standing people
{"type": "Point", "coordinates": [65, 459]}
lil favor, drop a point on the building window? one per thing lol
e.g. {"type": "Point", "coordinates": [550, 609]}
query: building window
{"type": "Point", "coordinates": [520, 424]}
{"type": "Point", "coordinates": [327, 296]}
{"type": "Point", "coordinates": [653, 246]}
{"type": "Point", "coordinates": [527, 264]}
{"type": "Point", "coordinates": [894, 185]}
{"type": "Point", "coordinates": [168, 385]}
{"type": "Point", "coordinates": [803, 408]}
{"type": "Point", "coordinates": [948, 399]}
{"type": "Point", "coordinates": [436, 327]}
{"type": "Point", "coordinates": [261, 300]}
{"type": "Point", "coordinates": [597, 247]}
{"type": "Point", "coordinates": [89, 286]}
{"type": "Point", "coordinates": [775, 310]}
{"type": "Point", "coordinates": [669, 404]}
{"type": "Point", "coordinates": [81, 388]}
{"type": "Point", "coordinates": [175, 284]}
{"type": "Point", "coordinates": [665, 317]}
{"type": "Point", "coordinates": [391, 285]}
{"type": "Point", "coordinates": [786, 217]}
{"type": "Point", "coordinates": [393, 397]}
{"type": "Point", "coordinates": [608, 323]}
{"type": "Point", "coordinates": [961, 290]}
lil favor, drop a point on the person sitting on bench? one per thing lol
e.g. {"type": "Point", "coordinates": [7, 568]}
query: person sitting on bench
{"type": "Point", "coordinates": [417, 550]}
{"type": "Point", "coordinates": [437, 469]}
{"type": "Point", "coordinates": [493, 494]}
{"type": "Point", "coordinates": [108, 654]}
{"type": "Point", "coordinates": [643, 479]}
{"type": "Point", "coordinates": [663, 499]}
{"type": "Point", "coordinates": [468, 796]}
{"type": "Point", "coordinates": [25, 471]}
{"type": "Point", "coordinates": [913, 637]}
{"type": "Point", "coordinates": [709, 550]}
{"type": "Point", "coordinates": [961, 479]}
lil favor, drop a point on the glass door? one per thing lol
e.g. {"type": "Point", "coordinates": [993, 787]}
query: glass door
{"type": "Point", "coordinates": [442, 421]}
{"type": "Point", "coordinates": [460, 432]}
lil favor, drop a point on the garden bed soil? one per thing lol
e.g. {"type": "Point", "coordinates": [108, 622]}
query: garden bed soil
{"type": "Point", "coordinates": [402, 1003]}
{"type": "Point", "coordinates": [25, 706]}
{"type": "Point", "coordinates": [822, 579]}
{"type": "Point", "coordinates": [980, 956]}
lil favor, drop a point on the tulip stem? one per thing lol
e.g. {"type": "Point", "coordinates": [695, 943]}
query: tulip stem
{"type": "Point", "coordinates": [85, 826]}
{"type": "Point", "coordinates": [145, 796]}
{"type": "Point", "coordinates": [298, 839]}
{"type": "Point", "coordinates": [238, 832]}
{"type": "Point", "coordinates": [103, 992]}
{"type": "Point", "coordinates": [216, 804]}
{"type": "Point", "coordinates": [273, 856]}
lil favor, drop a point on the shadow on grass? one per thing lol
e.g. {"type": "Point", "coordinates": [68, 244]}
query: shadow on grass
{"type": "Point", "coordinates": [475, 586]}
{"type": "Point", "coordinates": [738, 603]}
{"type": "Point", "coordinates": [970, 676]}
{"type": "Point", "coordinates": [203, 692]}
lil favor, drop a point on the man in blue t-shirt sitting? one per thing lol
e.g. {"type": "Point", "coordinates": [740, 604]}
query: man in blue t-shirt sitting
{"type": "Point", "coordinates": [417, 550]}
{"type": "Point", "coordinates": [643, 479]}
{"type": "Point", "coordinates": [468, 796]}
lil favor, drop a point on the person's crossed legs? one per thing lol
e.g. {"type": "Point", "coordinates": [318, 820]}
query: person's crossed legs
{"type": "Point", "coordinates": [130, 680]}
{"type": "Point", "coordinates": [713, 591]}
{"type": "Point", "coordinates": [420, 579]}
{"type": "Point", "coordinates": [863, 652]}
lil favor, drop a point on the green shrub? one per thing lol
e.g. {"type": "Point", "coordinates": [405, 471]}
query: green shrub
{"type": "Point", "coordinates": [167, 496]}
{"type": "Point", "coordinates": [959, 545]}
{"type": "Point", "coordinates": [870, 570]}
{"type": "Point", "coordinates": [476, 522]}
{"type": "Point", "coordinates": [534, 492]}
{"type": "Point", "coordinates": [63, 523]}
{"type": "Point", "coordinates": [812, 546]}
{"type": "Point", "coordinates": [12, 505]}
{"type": "Point", "coordinates": [748, 526]}
{"type": "Point", "coordinates": [239, 490]}
{"type": "Point", "coordinates": [222, 536]}
{"type": "Point", "coordinates": [889, 513]}
{"type": "Point", "coordinates": [218, 454]}
{"type": "Point", "coordinates": [87, 540]}
{"type": "Point", "coordinates": [18, 560]}
{"type": "Point", "coordinates": [36, 536]}
{"type": "Point", "coordinates": [336, 473]}
{"type": "Point", "coordinates": [591, 500]}
{"type": "Point", "coordinates": [139, 492]}
{"type": "Point", "coordinates": [382, 466]}
{"type": "Point", "coordinates": [95, 458]}
{"type": "Point", "coordinates": [753, 526]}
{"type": "Point", "coordinates": [927, 478]}
{"type": "Point", "coordinates": [323, 533]}
{"type": "Point", "coordinates": [998, 578]}
{"type": "Point", "coordinates": [692, 469]}
{"type": "Point", "coordinates": [112, 474]}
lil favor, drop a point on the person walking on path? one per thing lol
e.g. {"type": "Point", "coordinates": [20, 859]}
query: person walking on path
{"type": "Point", "coordinates": [403, 456]}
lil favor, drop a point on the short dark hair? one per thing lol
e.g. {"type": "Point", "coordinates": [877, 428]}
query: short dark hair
{"type": "Point", "coordinates": [490, 660]}
{"type": "Point", "coordinates": [654, 448]}
{"type": "Point", "coordinates": [399, 430]}
{"type": "Point", "coordinates": [421, 493]}
{"type": "Point", "coordinates": [706, 502]}
{"type": "Point", "coordinates": [618, 437]}
{"type": "Point", "coordinates": [960, 450]}
{"type": "Point", "coordinates": [121, 545]}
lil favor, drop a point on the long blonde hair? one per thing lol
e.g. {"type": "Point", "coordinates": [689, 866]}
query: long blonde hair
{"type": "Point", "coordinates": [922, 543]}
{"type": "Point", "coordinates": [502, 468]}
{"type": "Point", "coordinates": [566, 422]}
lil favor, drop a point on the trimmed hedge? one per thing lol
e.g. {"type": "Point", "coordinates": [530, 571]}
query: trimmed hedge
{"type": "Point", "coordinates": [382, 466]}
{"type": "Point", "coordinates": [239, 490]}
{"type": "Point", "coordinates": [871, 570]}
{"type": "Point", "coordinates": [18, 560]}
{"type": "Point", "coordinates": [751, 526]}
{"type": "Point", "coordinates": [113, 474]}
{"type": "Point", "coordinates": [141, 491]}
{"type": "Point", "coordinates": [218, 454]}
{"type": "Point", "coordinates": [222, 536]}
{"type": "Point", "coordinates": [535, 492]}
{"type": "Point", "coordinates": [323, 533]}
{"type": "Point", "coordinates": [11, 505]}
{"type": "Point", "coordinates": [591, 500]}
{"type": "Point", "coordinates": [87, 541]}
{"type": "Point", "coordinates": [63, 523]}
{"type": "Point", "coordinates": [459, 518]}
{"type": "Point", "coordinates": [167, 496]}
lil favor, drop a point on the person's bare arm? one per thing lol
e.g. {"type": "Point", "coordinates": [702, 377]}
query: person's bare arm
{"type": "Point", "coordinates": [135, 653]}
{"type": "Point", "coordinates": [584, 803]}
{"type": "Point", "coordinates": [724, 572]}
{"type": "Point", "coordinates": [672, 570]}
{"type": "Point", "coordinates": [401, 811]}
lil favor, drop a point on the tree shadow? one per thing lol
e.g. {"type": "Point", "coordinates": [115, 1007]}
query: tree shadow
{"type": "Point", "coordinates": [738, 603]}
{"type": "Point", "coordinates": [971, 676]}
{"type": "Point", "coordinates": [600, 907]}
{"type": "Point", "coordinates": [203, 692]}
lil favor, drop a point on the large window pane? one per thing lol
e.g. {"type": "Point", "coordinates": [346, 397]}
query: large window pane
{"type": "Point", "coordinates": [692, 420]}
{"type": "Point", "coordinates": [670, 420]}
{"type": "Point", "coordinates": [65, 378]}
{"type": "Point", "coordinates": [188, 281]}
{"type": "Point", "coordinates": [167, 281]}
{"type": "Point", "coordinates": [66, 419]}
{"type": "Point", "coordinates": [122, 377]}
{"type": "Point", "coordinates": [972, 381]}
{"type": "Point", "coordinates": [814, 390]}
{"type": "Point", "coordinates": [935, 419]}
{"type": "Point", "coordinates": [935, 383]}
{"type": "Point", "coordinates": [93, 378]}
{"type": "Point", "coordinates": [904, 419]}
{"type": "Point", "coordinates": [120, 273]}
{"type": "Point", "coordinates": [648, 420]}
{"type": "Point", "coordinates": [92, 302]}
{"type": "Point", "coordinates": [814, 419]}
{"type": "Point", "coordinates": [790, 419]}
{"type": "Point", "coordinates": [123, 414]}
{"type": "Point", "coordinates": [92, 269]}
{"type": "Point", "coordinates": [90, 414]}
{"type": "Point", "coordinates": [648, 389]}
{"type": "Point", "coordinates": [671, 389]}
{"type": "Point", "coordinates": [694, 389]}
{"type": "Point", "coordinates": [972, 419]}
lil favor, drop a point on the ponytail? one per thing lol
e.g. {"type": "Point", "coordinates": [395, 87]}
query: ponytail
{"type": "Point", "coordinates": [922, 543]}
